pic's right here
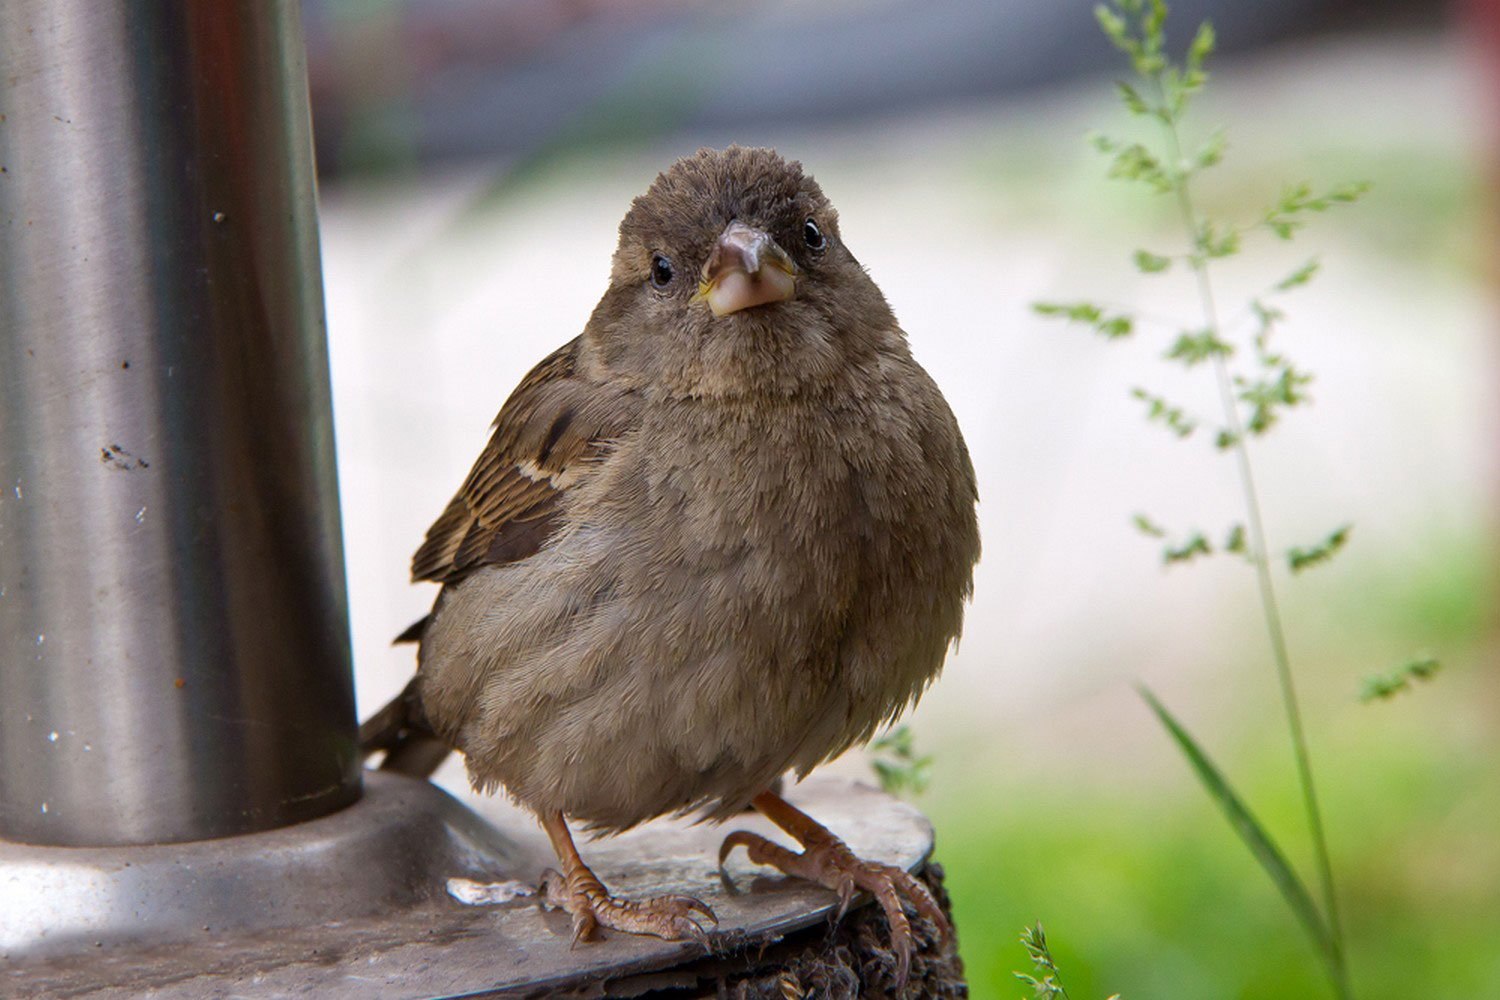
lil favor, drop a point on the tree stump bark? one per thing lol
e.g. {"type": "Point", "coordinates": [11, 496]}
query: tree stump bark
{"type": "Point", "coordinates": [844, 962]}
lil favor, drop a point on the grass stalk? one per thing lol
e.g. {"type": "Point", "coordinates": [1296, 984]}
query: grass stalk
{"type": "Point", "coordinates": [1258, 549]}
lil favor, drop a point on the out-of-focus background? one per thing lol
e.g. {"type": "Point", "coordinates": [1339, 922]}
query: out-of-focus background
{"type": "Point", "coordinates": [477, 156]}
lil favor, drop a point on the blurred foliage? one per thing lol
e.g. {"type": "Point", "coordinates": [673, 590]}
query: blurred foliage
{"type": "Point", "coordinates": [1050, 984]}
{"type": "Point", "coordinates": [1143, 895]}
{"type": "Point", "coordinates": [897, 765]}
{"type": "Point", "coordinates": [1420, 209]}
{"type": "Point", "coordinates": [1389, 685]}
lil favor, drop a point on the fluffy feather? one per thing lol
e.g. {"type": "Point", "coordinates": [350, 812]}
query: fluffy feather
{"type": "Point", "coordinates": [699, 552]}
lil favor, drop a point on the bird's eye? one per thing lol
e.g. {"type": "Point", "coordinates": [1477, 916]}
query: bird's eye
{"type": "Point", "coordinates": [661, 270]}
{"type": "Point", "coordinates": [813, 236]}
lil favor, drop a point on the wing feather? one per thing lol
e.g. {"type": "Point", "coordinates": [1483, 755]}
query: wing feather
{"type": "Point", "coordinates": [549, 435]}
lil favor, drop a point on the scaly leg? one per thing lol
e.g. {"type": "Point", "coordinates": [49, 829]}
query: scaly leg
{"type": "Point", "coordinates": [827, 860]}
{"type": "Point", "coordinates": [580, 892]}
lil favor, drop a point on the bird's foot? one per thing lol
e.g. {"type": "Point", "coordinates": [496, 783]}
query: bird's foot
{"type": "Point", "coordinates": [580, 893]}
{"type": "Point", "coordinates": [829, 862]}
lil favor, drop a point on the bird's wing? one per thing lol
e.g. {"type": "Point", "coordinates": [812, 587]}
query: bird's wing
{"type": "Point", "coordinates": [548, 436]}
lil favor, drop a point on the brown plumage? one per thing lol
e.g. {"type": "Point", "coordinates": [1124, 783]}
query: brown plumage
{"type": "Point", "coordinates": [725, 533]}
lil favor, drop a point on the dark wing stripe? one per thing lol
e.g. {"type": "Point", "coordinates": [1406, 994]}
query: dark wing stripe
{"type": "Point", "coordinates": [481, 532]}
{"type": "Point", "coordinates": [520, 538]}
{"type": "Point", "coordinates": [559, 427]}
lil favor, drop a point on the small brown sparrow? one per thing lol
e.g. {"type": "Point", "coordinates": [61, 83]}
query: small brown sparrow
{"type": "Point", "coordinates": [726, 533]}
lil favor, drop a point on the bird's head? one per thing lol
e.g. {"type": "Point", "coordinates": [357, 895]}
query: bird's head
{"type": "Point", "coordinates": [731, 279]}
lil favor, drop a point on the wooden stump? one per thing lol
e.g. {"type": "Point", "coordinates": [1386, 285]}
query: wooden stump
{"type": "Point", "coordinates": [844, 962]}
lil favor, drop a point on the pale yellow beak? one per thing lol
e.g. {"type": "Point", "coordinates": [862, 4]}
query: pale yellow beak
{"type": "Point", "coordinates": [747, 268]}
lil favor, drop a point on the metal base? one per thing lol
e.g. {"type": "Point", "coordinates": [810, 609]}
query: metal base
{"type": "Point", "coordinates": [355, 904]}
{"type": "Point", "coordinates": [391, 850]}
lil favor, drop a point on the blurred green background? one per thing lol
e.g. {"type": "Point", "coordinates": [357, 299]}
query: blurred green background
{"type": "Point", "coordinates": [478, 158]}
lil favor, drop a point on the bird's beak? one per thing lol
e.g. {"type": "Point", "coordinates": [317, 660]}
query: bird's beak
{"type": "Point", "coordinates": [747, 268]}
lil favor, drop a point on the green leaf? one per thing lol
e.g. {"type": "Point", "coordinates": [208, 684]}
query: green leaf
{"type": "Point", "coordinates": [1105, 143]}
{"type": "Point", "coordinates": [1134, 162]}
{"type": "Point", "coordinates": [1299, 277]}
{"type": "Point", "coordinates": [1266, 318]}
{"type": "Point", "coordinates": [1194, 346]}
{"type": "Point", "coordinates": [1235, 542]}
{"type": "Point", "coordinates": [1282, 388]}
{"type": "Point", "coordinates": [1389, 685]}
{"type": "Point", "coordinates": [1050, 986]}
{"type": "Point", "coordinates": [1348, 194]}
{"type": "Point", "coordinates": [1195, 546]}
{"type": "Point", "coordinates": [1301, 559]}
{"type": "Point", "coordinates": [1153, 38]}
{"type": "Point", "coordinates": [897, 764]}
{"type": "Point", "coordinates": [1081, 312]}
{"type": "Point", "coordinates": [1254, 837]}
{"type": "Point", "coordinates": [1179, 84]}
{"type": "Point", "coordinates": [1110, 326]}
{"type": "Point", "coordinates": [1213, 241]}
{"type": "Point", "coordinates": [898, 741]}
{"type": "Point", "coordinates": [1285, 217]}
{"type": "Point", "coordinates": [1133, 100]}
{"type": "Point", "coordinates": [1212, 151]}
{"type": "Point", "coordinates": [1423, 669]}
{"type": "Point", "coordinates": [1150, 263]}
{"type": "Point", "coordinates": [1202, 46]}
{"type": "Point", "coordinates": [1147, 527]}
{"type": "Point", "coordinates": [1164, 413]}
{"type": "Point", "coordinates": [1114, 29]}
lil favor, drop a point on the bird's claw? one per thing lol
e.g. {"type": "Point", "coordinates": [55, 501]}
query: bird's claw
{"type": "Point", "coordinates": [671, 918]}
{"type": "Point", "coordinates": [846, 890]}
{"type": "Point", "coordinates": [829, 862]}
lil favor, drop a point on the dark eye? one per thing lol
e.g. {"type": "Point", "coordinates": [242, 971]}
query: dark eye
{"type": "Point", "coordinates": [813, 236]}
{"type": "Point", "coordinates": [661, 270]}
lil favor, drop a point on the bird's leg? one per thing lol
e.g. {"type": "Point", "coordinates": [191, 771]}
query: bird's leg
{"type": "Point", "coordinates": [578, 890]}
{"type": "Point", "coordinates": [827, 860]}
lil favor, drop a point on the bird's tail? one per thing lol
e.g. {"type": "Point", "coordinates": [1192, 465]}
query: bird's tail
{"type": "Point", "coordinates": [402, 732]}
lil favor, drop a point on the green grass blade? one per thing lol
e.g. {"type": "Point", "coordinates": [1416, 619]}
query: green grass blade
{"type": "Point", "coordinates": [1254, 836]}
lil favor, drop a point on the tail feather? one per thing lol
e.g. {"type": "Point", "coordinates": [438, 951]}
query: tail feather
{"type": "Point", "coordinates": [402, 732]}
{"type": "Point", "coordinates": [414, 631]}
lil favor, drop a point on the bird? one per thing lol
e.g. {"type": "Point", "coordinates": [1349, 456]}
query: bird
{"type": "Point", "coordinates": [726, 533]}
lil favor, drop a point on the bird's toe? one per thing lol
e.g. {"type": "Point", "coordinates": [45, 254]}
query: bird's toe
{"type": "Point", "coordinates": [592, 906]}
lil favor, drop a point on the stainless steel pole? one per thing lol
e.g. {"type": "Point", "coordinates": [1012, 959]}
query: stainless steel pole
{"type": "Point", "coordinates": [174, 656]}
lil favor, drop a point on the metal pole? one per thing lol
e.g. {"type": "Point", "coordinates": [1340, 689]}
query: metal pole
{"type": "Point", "coordinates": [174, 656]}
